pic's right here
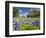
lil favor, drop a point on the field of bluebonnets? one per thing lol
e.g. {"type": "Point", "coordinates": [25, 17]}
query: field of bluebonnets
{"type": "Point", "coordinates": [26, 18]}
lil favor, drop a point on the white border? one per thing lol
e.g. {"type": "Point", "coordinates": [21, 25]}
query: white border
{"type": "Point", "coordinates": [11, 32]}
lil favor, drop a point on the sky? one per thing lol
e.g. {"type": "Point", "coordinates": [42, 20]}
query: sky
{"type": "Point", "coordinates": [23, 11]}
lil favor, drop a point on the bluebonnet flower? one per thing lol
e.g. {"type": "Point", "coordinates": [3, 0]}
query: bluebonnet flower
{"type": "Point", "coordinates": [16, 25]}
{"type": "Point", "coordinates": [36, 23]}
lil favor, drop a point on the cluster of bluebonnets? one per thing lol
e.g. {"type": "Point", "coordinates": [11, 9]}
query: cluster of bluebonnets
{"type": "Point", "coordinates": [17, 25]}
{"type": "Point", "coordinates": [36, 23]}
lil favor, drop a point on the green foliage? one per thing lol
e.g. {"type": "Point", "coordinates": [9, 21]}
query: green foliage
{"type": "Point", "coordinates": [15, 12]}
{"type": "Point", "coordinates": [34, 14]}
{"type": "Point", "coordinates": [24, 26]}
{"type": "Point", "coordinates": [29, 27]}
{"type": "Point", "coordinates": [36, 27]}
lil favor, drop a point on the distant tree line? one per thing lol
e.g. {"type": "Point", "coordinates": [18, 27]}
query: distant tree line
{"type": "Point", "coordinates": [33, 14]}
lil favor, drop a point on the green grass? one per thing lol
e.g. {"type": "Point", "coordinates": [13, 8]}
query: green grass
{"type": "Point", "coordinates": [29, 27]}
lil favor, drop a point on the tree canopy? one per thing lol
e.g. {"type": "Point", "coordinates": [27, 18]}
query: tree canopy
{"type": "Point", "coordinates": [15, 12]}
{"type": "Point", "coordinates": [34, 14]}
